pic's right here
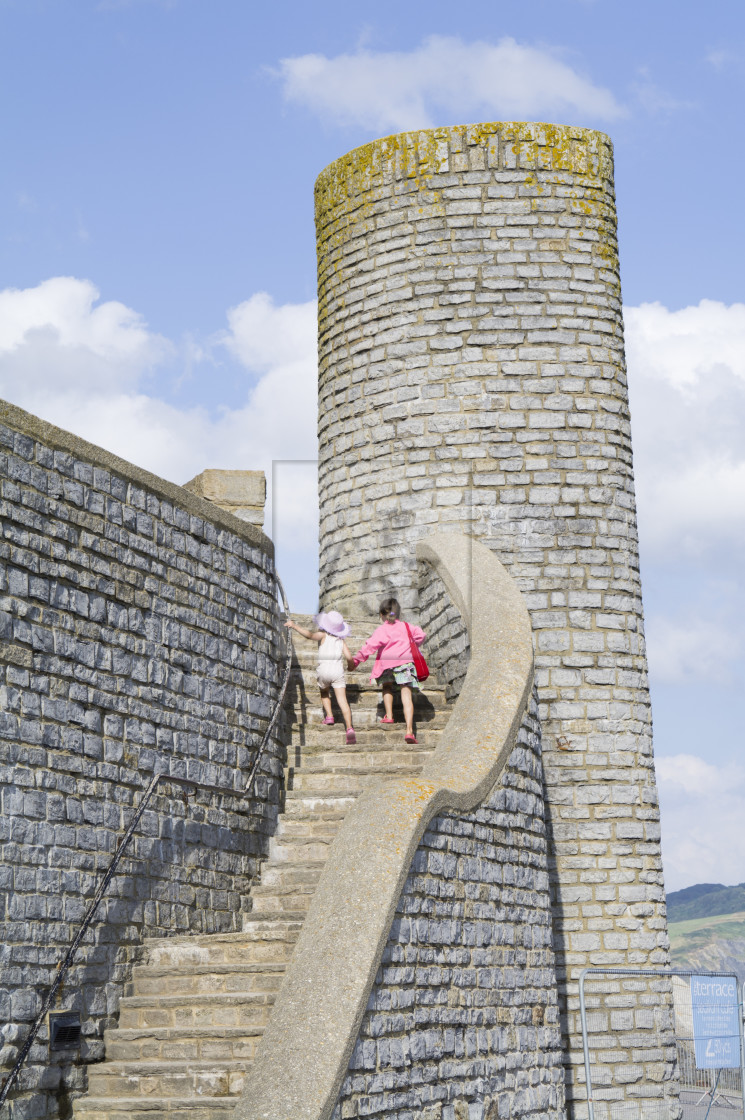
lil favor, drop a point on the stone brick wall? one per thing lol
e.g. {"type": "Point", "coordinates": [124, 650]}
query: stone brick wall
{"type": "Point", "coordinates": [462, 1023]}
{"type": "Point", "coordinates": [447, 647]}
{"type": "Point", "coordinates": [139, 631]}
{"type": "Point", "coordinates": [472, 374]}
{"type": "Point", "coordinates": [630, 1026]}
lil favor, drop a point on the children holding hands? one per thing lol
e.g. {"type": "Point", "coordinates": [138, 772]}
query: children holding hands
{"type": "Point", "coordinates": [393, 645]}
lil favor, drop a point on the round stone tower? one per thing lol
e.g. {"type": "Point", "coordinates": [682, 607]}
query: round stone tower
{"type": "Point", "coordinates": [472, 376]}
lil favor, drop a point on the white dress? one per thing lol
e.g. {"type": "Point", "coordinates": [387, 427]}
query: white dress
{"type": "Point", "coordinates": [330, 672]}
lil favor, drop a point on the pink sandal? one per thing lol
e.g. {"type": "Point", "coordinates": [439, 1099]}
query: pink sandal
{"type": "Point", "coordinates": [410, 738]}
{"type": "Point", "coordinates": [386, 720]}
{"type": "Point", "coordinates": [329, 721]}
{"type": "Point", "coordinates": [351, 737]}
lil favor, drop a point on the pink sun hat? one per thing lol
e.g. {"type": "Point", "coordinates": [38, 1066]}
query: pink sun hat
{"type": "Point", "coordinates": [333, 623]}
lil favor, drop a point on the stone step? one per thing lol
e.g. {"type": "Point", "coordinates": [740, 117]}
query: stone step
{"type": "Point", "coordinates": [305, 828]}
{"type": "Point", "coordinates": [298, 850]}
{"type": "Point", "coordinates": [297, 915]}
{"type": "Point", "coordinates": [364, 760]}
{"type": "Point", "coordinates": [380, 737]}
{"type": "Point", "coordinates": [233, 1009]}
{"type": "Point", "coordinates": [201, 979]}
{"type": "Point", "coordinates": [290, 926]}
{"type": "Point", "coordinates": [364, 717]}
{"type": "Point", "coordinates": [182, 1043]}
{"type": "Point", "coordinates": [153, 1108]}
{"type": "Point", "coordinates": [288, 876]}
{"type": "Point", "coordinates": [320, 781]}
{"type": "Point", "coordinates": [295, 901]}
{"type": "Point", "coordinates": [321, 806]}
{"type": "Point", "coordinates": [167, 1079]}
{"type": "Point", "coordinates": [379, 756]}
{"type": "Point", "coordinates": [265, 941]}
{"type": "Point", "coordinates": [307, 794]}
{"type": "Point", "coordinates": [343, 779]}
{"type": "Point", "coordinates": [304, 831]}
{"type": "Point", "coordinates": [287, 895]}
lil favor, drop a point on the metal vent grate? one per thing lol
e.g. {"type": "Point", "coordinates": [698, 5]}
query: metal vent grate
{"type": "Point", "coordinates": [64, 1030]}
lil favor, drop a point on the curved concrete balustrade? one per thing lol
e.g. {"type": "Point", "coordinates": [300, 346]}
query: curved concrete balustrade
{"type": "Point", "coordinates": [306, 1048]}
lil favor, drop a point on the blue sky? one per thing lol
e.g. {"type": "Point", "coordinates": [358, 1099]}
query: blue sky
{"type": "Point", "coordinates": [157, 270]}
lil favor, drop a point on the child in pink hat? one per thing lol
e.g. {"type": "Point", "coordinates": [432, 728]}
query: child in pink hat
{"type": "Point", "coordinates": [333, 652]}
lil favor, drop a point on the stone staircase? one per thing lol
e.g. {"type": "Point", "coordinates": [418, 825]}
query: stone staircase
{"type": "Point", "coordinates": [197, 1006]}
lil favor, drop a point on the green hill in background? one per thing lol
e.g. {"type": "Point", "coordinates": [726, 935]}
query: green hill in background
{"type": "Point", "coordinates": [705, 900]}
{"type": "Point", "coordinates": [707, 928]}
{"type": "Point", "coordinates": [714, 944]}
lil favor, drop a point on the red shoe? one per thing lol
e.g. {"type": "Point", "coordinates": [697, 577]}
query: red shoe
{"type": "Point", "coordinates": [410, 738]}
{"type": "Point", "coordinates": [386, 720]}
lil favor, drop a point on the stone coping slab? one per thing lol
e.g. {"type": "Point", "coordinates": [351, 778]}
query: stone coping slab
{"type": "Point", "coordinates": [34, 428]}
{"type": "Point", "coordinates": [305, 1051]}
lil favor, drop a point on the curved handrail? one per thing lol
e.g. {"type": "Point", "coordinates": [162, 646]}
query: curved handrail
{"type": "Point", "coordinates": [304, 1054]}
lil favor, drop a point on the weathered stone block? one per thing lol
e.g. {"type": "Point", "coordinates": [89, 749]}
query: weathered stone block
{"type": "Point", "coordinates": [242, 493]}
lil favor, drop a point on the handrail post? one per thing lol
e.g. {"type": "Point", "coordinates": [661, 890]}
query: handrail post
{"type": "Point", "coordinates": [585, 1043]}
{"type": "Point", "coordinates": [741, 1016]}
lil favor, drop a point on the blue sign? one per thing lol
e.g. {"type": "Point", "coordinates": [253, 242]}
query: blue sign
{"type": "Point", "coordinates": [716, 1027]}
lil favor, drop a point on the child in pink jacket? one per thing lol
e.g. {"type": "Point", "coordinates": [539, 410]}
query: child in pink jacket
{"type": "Point", "coordinates": [393, 661]}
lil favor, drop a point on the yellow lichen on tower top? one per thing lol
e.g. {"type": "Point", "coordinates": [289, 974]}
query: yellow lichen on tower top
{"type": "Point", "coordinates": [499, 146]}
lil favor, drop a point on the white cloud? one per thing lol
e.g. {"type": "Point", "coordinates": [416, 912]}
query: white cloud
{"type": "Point", "coordinates": [694, 776]}
{"type": "Point", "coordinates": [719, 59]}
{"type": "Point", "coordinates": [653, 98]}
{"type": "Point", "coordinates": [263, 336]}
{"type": "Point", "coordinates": [687, 388]}
{"type": "Point", "coordinates": [84, 366]}
{"type": "Point", "coordinates": [656, 100]}
{"type": "Point", "coordinates": [444, 80]}
{"type": "Point", "coordinates": [702, 808]}
{"type": "Point", "coordinates": [91, 348]}
{"type": "Point", "coordinates": [692, 650]}
{"type": "Point", "coordinates": [683, 347]}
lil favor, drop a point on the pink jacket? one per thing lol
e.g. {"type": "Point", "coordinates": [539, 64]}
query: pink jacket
{"type": "Point", "coordinates": [390, 642]}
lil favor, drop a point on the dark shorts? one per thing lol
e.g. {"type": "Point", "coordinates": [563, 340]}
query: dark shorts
{"type": "Point", "coordinates": [401, 674]}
